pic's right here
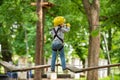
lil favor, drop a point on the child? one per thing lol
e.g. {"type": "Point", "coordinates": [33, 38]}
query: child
{"type": "Point", "coordinates": [58, 42]}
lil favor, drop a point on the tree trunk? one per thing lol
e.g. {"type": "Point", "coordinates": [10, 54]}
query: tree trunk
{"type": "Point", "coordinates": [92, 11]}
{"type": "Point", "coordinates": [39, 40]}
{"type": "Point", "coordinates": [5, 54]}
{"type": "Point", "coordinates": [5, 51]}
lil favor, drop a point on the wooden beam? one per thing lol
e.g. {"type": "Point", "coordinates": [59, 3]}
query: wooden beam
{"type": "Point", "coordinates": [14, 68]}
{"type": "Point", "coordinates": [72, 68]}
{"type": "Point", "coordinates": [43, 4]}
{"type": "Point", "coordinates": [7, 65]}
{"type": "Point", "coordinates": [77, 70]}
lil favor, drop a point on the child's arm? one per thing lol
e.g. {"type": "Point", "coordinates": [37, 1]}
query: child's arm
{"type": "Point", "coordinates": [65, 29]}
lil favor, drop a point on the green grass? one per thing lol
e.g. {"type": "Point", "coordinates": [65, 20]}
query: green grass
{"type": "Point", "coordinates": [116, 77]}
{"type": "Point", "coordinates": [106, 78]}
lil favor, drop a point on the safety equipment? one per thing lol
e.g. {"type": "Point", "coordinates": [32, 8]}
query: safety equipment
{"type": "Point", "coordinates": [58, 20]}
{"type": "Point", "coordinates": [56, 35]}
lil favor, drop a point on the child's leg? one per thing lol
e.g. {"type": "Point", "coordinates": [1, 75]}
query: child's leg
{"type": "Point", "coordinates": [54, 54]}
{"type": "Point", "coordinates": [62, 57]}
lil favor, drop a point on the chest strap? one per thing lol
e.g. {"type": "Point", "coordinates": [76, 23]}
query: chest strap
{"type": "Point", "coordinates": [56, 34]}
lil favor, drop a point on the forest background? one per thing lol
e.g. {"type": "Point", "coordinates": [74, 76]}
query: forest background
{"type": "Point", "coordinates": [18, 29]}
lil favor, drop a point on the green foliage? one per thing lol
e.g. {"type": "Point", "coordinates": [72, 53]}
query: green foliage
{"type": "Point", "coordinates": [115, 77]}
{"type": "Point", "coordinates": [22, 14]}
{"type": "Point", "coordinates": [95, 33]}
{"type": "Point", "coordinates": [115, 46]}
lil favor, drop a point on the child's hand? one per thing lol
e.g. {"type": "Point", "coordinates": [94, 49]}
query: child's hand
{"type": "Point", "coordinates": [68, 25]}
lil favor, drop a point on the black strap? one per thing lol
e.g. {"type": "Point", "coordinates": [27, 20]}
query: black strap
{"type": "Point", "coordinates": [61, 48]}
{"type": "Point", "coordinates": [56, 34]}
{"type": "Point", "coordinates": [58, 49]}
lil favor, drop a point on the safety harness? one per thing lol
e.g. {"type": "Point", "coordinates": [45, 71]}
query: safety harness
{"type": "Point", "coordinates": [58, 38]}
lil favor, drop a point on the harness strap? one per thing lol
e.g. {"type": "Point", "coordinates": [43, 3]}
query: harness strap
{"type": "Point", "coordinates": [58, 38]}
{"type": "Point", "coordinates": [56, 34]}
{"type": "Point", "coordinates": [58, 49]}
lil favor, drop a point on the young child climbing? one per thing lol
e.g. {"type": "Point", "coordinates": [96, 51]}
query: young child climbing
{"type": "Point", "coordinates": [58, 41]}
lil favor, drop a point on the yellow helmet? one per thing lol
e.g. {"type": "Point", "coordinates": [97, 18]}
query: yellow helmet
{"type": "Point", "coordinates": [58, 20]}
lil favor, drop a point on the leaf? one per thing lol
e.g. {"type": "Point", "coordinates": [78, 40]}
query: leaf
{"type": "Point", "coordinates": [95, 33]}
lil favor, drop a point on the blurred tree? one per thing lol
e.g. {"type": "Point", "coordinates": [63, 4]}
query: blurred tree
{"type": "Point", "coordinates": [92, 8]}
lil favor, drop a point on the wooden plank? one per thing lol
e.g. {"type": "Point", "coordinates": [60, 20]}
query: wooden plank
{"type": "Point", "coordinates": [13, 68]}
{"type": "Point", "coordinates": [8, 66]}
{"type": "Point", "coordinates": [43, 4]}
{"type": "Point", "coordinates": [72, 68]}
{"type": "Point", "coordinates": [77, 70]}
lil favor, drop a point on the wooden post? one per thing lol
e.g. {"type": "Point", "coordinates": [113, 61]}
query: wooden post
{"type": "Point", "coordinates": [39, 40]}
{"type": "Point", "coordinates": [41, 4]}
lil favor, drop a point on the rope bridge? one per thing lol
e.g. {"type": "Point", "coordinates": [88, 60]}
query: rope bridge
{"type": "Point", "coordinates": [72, 68]}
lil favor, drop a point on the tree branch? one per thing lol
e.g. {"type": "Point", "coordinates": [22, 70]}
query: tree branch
{"type": "Point", "coordinates": [104, 18]}
{"type": "Point", "coordinates": [86, 3]}
{"type": "Point", "coordinates": [79, 7]}
{"type": "Point", "coordinates": [87, 6]}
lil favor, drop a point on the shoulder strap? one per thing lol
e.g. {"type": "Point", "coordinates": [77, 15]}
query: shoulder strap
{"type": "Point", "coordinates": [56, 34]}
